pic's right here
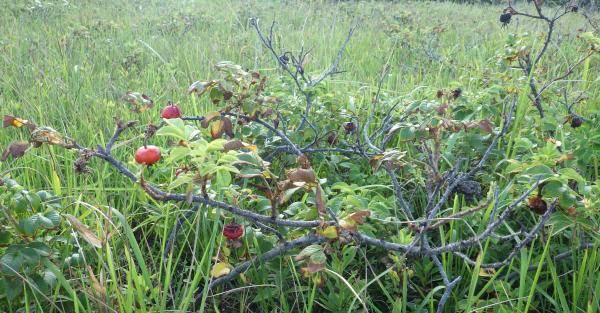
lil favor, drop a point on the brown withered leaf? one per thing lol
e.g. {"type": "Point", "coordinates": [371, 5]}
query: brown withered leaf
{"type": "Point", "coordinates": [16, 150]}
{"type": "Point", "coordinates": [315, 267]}
{"type": "Point", "coordinates": [217, 129]}
{"type": "Point", "coordinates": [96, 285]}
{"type": "Point", "coordinates": [84, 231]}
{"type": "Point", "coordinates": [486, 125]}
{"type": "Point", "coordinates": [200, 87]}
{"type": "Point", "coordinates": [227, 127]}
{"type": "Point", "coordinates": [285, 185]}
{"type": "Point", "coordinates": [138, 102]}
{"type": "Point", "coordinates": [209, 118]}
{"type": "Point", "coordinates": [237, 144]}
{"type": "Point", "coordinates": [303, 162]}
{"type": "Point", "coordinates": [359, 216]}
{"type": "Point", "coordinates": [233, 145]}
{"type": "Point", "coordinates": [16, 122]}
{"type": "Point", "coordinates": [320, 200]}
{"type": "Point", "coordinates": [48, 135]}
{"type": "Point", "coordinates": [302, 175]}
{"type": "Point", "coordinates": [375, 162]}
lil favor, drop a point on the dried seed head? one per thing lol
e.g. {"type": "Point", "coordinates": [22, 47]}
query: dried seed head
{"type": "Point", "coordinates": [505, 18]}
{"type": "Point", "coordinates": [576, 121]}
{"type": "Point", "coordinates": [349, 127]}
{"type": "Point", "coordinates": [537, 205]}
{"type": "Point", "coordinates": [456, 93]}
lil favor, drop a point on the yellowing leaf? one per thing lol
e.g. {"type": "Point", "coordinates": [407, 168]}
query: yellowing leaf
{"type": "Point", "coordinates": [10, 120]}
{"type": "Point", "coordinates": [216, 130]}
{"type": "Point", "coordinates": [487, 272]}
{"type": "Point", "coordinates": [329, 232]}
{"type": "Point", "coordinates": [220, 269]}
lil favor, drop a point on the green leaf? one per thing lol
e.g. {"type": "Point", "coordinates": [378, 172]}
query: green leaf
{"type": "Point", "coordinates": [539, 172]}
{"type": "Point", "coordinates": [216, 145]}
{"type": "Point", "coordinates": [223, 177]}
{"type": "Point", "coordinates": [34, 201]}
{"type": "Point", "coordinates": [5, 237]}
{"type": "Point", "coordinates": [30, 255]}
{"type": "Point", "coordinates": [308, 251]}
{"type": "Point", "coordinates": [45, 222]}
{"type": "Point", "coordinates": [570, 173]}
{"type": "Point", "coordinates": [318, 257]}
{"type": "Point", "coordinates": [19, 204]}
{"type": "Point", "coordinates": [12, 260]}
{"type": "Point", "coordinates": [13, 288]}
{"type": "Point", "coordinates": [553, 189]}
{"type": "Point", "coordinates": [41, 248]}
{"type": "Point", "coordinates": [29, 226]}
{"type": "Point", "coordinates": [54, 217]}
{"type": "Point", "coordinates": [175, 128]}
{"type": "Point", "coordinates": [177, 153]}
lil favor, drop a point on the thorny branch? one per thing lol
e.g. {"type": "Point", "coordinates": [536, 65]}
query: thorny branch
{"type": "Point", "coordinates": [287, 58]}
{"type": "Point", "coordinates": [528, 64]}
{"type": "Point", "coordinates": [413, 249]}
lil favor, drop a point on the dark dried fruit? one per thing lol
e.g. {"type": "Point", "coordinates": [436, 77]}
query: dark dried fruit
{"type": "Point", "coordinates": [332, 138]}
{"type": "Point", "coordinates": [537, 205]}
{"type": "Point", "coordinates": [505, 19]}
{"type": "Point", "coordinates": [456, 93]}
{"type": "Point", "coordinates": [284, 59]}
{"type": "Point", "coordinates": [349, 127]}
{"type": "Point", "coordinates": [576, 121]}
{"type": "Point", "coordinates": [233, 231]}
{"type": "Point", "coordinates": [470, 189]}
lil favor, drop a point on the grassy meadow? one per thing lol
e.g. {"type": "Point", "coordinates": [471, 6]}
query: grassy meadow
{"type": "Point", "coordinates": [68, 65]}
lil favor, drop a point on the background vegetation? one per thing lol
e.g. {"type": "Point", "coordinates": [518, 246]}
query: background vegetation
{"type": "Point", "coordinates": [68, 65]}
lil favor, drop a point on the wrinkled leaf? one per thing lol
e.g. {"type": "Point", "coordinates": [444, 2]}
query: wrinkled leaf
{"type": "Point", "coordinates": [16, 150]}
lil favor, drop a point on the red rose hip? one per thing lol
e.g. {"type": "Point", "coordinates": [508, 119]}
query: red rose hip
{"type": "Point", "coordinates": [147, 155]}
{"type": "Point", "coordinates": [171, 111]}
{"type": "Point", "coordinates": [233, 231]}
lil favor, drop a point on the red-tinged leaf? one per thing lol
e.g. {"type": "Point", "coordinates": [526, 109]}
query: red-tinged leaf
{"type": "Point", "coordinates": [320, 200]}
{"type": "Point", "coordinates": [227, 127]}
{"type": "Point", "coordinates": [359, 216]}
{"type": "Point", "coordinates": [16, 150]}
{"type": "Point", "coordinates": [209, 118]}
{"type": "Point", "coordinates": [486, 125]}
{"type": "Point", "coordinates": [302, 175]}
{"type": "Point", "coordinates": [315, 267]}
{"type": "Point", "coordinates": [16, 122]}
